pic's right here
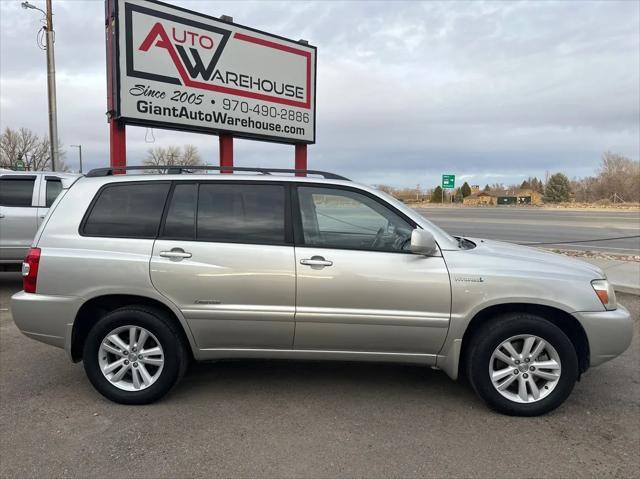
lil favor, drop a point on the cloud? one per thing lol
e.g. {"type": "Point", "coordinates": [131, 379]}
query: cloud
{"type": "Point", "coordinates": [406, 90]}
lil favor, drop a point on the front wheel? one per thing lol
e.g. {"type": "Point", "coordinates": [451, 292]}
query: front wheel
{"type": "Point", "coordinates": [134, 355]}
{"type": "Point", "coordinates": [522, 365]}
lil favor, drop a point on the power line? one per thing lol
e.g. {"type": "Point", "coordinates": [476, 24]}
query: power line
{"type": "Point", "coordinates": [583, 241]}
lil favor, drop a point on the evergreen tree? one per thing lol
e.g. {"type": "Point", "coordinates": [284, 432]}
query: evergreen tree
{"type": "Point", "coordinates": [558, 189]}
{"type": "Point", "coordinates": [436, 196]}
{"type": "Point", "coordinates": [465, 190]}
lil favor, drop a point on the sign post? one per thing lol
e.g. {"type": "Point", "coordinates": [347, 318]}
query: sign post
{"type": "Point", "coordinates": [177, 69]}
{"type": "Point", "coordinates": [448, 182]}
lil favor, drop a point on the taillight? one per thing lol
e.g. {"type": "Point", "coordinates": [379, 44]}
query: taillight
{"type": "Point", "coordinates": [30, 270]}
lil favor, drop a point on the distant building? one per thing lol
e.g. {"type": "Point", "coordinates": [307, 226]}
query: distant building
{"type": "Point", "coordinates": [475, 188]}
{"type": "Point", "coordinates": [520, 196]}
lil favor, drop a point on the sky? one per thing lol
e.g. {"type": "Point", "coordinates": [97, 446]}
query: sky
{"type": "Point", "coordinates": [406, 91]}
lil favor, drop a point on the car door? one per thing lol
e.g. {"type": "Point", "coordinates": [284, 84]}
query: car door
{"type": "Point", "coordinates": [358, 286]}
{"type": "Point", "coordinates": [18, 215]}
{"type": "Point", "coordinates": [225, 256]}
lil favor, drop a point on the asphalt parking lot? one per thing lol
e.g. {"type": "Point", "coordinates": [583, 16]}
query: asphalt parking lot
{"type": "Point", "coordinates": [304, 419]}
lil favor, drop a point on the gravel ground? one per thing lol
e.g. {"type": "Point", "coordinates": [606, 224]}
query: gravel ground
{"type": "Point", "coordinates": [305, 419]}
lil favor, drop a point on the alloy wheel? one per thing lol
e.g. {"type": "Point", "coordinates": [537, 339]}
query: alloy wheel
{"type": "Point", "coordinates": [525, 368]}
{"type": "Point", "coordinates": [131, 358]}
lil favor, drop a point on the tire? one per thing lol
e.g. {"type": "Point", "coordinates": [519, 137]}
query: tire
{"type": "Point", "coordinates": [516, 328]}
{"type": "Point", "coordinates": [161, 330]}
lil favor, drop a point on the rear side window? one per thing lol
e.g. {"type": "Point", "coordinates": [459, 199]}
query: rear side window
{"type": "Point", "coordinates": [130, 210]}
{"type": "Point", "coordinates": [54, 187]}
{"type": "Point", "coordinates": [181, 216]}
{"type": "Point", "coordinates": [16, 192]}
{"type": "Point", "coordinates": [237, 213]}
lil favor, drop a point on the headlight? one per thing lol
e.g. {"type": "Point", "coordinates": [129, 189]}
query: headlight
{"type": "Point", "coordinates": [605, 293]}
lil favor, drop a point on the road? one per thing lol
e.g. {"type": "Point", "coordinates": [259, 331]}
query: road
{"type": "Point", "coordinates": [304, 419]}
{"type": "Point", "coordinates": [533, 225]}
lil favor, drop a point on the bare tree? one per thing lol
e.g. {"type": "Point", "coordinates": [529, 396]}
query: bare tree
{"type": "Point", "coordinates": [25, 145]}
{"type": "Point", "coordinates": [172, 156]}
{"type": "Point", "coordinates": [618, 179]}
{"type": "Point", "coordinates": [619, 176]}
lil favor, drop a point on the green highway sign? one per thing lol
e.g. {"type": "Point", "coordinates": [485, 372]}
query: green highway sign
{"type": "Point", "coordinates": [19, 165]}
{"type": "Point", "coordinates": [448, 181]}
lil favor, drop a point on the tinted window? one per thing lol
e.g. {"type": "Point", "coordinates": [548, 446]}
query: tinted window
{"type": "Point", "coordinates": [54, 187]}
{"type": "Point", "coordinates": [241, 213]}
{"type": "Point", "coordinates": [333, 218]}
{"type": "Point", "coordinates": [16, 192]}
{"type": "Point", "coordinates": [181, 216]}
{"type": "Point", "coordinates": [130, 210]}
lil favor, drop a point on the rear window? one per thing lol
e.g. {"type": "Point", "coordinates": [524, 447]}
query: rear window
{"type": "Point", "coordinates": [16, 192]}
{"type": "Point", "coordinates": [130, 210]}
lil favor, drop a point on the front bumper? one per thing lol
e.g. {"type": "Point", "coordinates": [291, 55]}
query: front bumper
{"type": "Point", "coordinates": [609, 333]}
{"type": "Point", "coordinates": [48, 319]}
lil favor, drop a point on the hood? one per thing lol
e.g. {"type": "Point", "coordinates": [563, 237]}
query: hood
{"type": "Point", "coordinates": [503, 254]}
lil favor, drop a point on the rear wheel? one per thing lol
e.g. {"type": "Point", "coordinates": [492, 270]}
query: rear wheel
{"type": "Point", "coordinates": [521, 364]}
{"type": "Point", "coordinates": [134, 355]}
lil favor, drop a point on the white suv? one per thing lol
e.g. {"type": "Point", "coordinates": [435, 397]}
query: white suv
{"type": "Point", "coordinates": [137, 275]}
{"type": "Point", "coordinates": [25, 198]}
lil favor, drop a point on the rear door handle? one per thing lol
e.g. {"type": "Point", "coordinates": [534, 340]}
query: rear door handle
{"type": "Point", "coordinates": [176, 254]}
{"type": "Point", "coordinates": [317, 261]}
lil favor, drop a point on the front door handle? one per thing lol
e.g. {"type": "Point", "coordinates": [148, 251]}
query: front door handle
{"type": "Point", "coordinates": [176, 254]}
{"type": "Point", "coordinates": [316, 261]}
{"type": "Point", "coordinates": [1, 215]}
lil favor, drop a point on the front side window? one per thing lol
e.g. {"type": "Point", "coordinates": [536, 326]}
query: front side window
{"type": "Point", "coordinates": [16, 192]}
{"type": "Point", "coordinates": [130, 210]}
{"type": "Point", "coordinates": [333, 218]}
{"type": "Point", "coordinates": [54, 187]}
{"type": "Point", "coordinates": [238, 213]}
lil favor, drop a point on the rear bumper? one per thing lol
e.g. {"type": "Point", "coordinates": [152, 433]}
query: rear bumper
{"type": "Point", "coordinates": [48, 319]}
{"type": "Point", "coordinates": [609, 333]}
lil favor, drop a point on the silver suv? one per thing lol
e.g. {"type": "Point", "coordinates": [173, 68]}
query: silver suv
{"type": "Point", "coordinates": [137, 275]}
{"type": "Point", "coordinates": [25, 198]}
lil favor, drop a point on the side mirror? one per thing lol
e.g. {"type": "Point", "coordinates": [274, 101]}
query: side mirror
{"type": "Point", "coordinates": [423, 242]}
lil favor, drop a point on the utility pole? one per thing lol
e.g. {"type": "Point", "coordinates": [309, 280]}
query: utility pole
{"type": "Point", "coordinates": [51, 88]}
{"type": "Point", "coordinates": [79, 147]}
{"type": "Point", "coordinates": [51, 80]}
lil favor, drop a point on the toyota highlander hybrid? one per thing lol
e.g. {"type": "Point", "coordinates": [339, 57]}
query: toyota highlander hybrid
{"type": "Point", "coordinates": [137, 275]}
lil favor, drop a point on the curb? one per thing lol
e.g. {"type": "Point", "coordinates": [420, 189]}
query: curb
{"type": "Point", "coordinates": [623, 288]}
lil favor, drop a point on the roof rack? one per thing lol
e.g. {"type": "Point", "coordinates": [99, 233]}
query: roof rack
{"type": "Point", "coordinates": [177, 170]}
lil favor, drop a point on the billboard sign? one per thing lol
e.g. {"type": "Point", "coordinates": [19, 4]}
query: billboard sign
{"type": "Point", "coordinates": [179, 69]}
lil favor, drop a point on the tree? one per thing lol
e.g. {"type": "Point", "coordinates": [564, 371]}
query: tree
{"type": "Point", "coordinates": [525, 185]}
{"type": "Point", "coordinates": [536, 184]}
{"type": "Point", "coordinates": [487, 188]}
{"type": "Point", "coordinates": [172, 156]}
{"type": "Point", "coordinates": [459, 196]}
{"type": "Point", "coordinates": [436, 195]}
{"type": "Point", "coordinates": [558, 189]}
{"type": "Point", "coordinates": [25, 145]}
{"type": "Point", "coordinates": [618, 175]}
{"type": "Point", "coordinates": [465, 190]}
